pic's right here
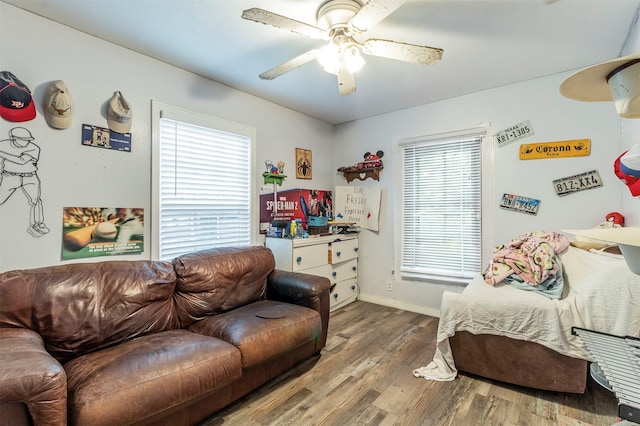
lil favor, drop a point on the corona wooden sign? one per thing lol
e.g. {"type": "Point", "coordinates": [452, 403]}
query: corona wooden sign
{"type": "Point", "coordinates": [570, 148]}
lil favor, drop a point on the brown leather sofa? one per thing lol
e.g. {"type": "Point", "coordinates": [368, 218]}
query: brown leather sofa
{"type": "Point", "coordinates": [151, 342]}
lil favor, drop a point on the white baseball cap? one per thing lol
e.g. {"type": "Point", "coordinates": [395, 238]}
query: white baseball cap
{"type": "Point", "coordinates": [58, 105]}
{"type": "Point", "coordinates": [630, 161]}
{"type": "Point", "coordinates": [119, 114]}
{"type": "Point", "coordinates": [615, 80]}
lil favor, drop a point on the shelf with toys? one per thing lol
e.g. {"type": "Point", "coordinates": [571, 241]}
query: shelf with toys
{"type": "Point", "coordinates": [369, 168]}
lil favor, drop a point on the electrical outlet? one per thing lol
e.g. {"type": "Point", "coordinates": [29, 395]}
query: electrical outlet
{"type": "Point", "coordinates": [389, 286]}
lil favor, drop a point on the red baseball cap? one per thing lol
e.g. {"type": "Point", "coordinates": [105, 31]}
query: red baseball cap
{"type": "Point", "coordinates": [632, 182]}
{"type": "Point", "coordinates": [16, 103]}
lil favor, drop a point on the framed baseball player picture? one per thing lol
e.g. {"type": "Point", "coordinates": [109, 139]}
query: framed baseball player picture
{"type": "Point", "coordinates": [303, 163]}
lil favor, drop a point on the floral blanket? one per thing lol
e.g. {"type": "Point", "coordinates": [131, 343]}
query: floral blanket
{"type": "Point", "coordinates": [531, 256]}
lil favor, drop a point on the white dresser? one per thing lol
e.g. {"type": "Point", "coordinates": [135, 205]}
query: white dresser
{"type": "Point", "coordinates": [331, 256]}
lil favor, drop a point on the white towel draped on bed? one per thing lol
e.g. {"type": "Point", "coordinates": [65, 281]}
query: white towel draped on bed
{"type": "Point", "coordinates": [600, 293]}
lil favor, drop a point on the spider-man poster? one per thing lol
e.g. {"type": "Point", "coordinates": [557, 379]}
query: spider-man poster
{"type": "Point", "coordinates": [288, 205]}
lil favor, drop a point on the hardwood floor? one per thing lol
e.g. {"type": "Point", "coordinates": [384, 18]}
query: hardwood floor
{"type": "Point", "coordinates": [364, 377]}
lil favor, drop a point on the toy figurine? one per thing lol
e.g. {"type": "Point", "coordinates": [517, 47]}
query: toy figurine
{"type": "Point", "coordinates": [371, 161]}
{"type": "Point", "coordinates": [273, 169]}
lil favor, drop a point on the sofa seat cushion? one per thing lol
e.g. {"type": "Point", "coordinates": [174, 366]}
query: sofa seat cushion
{"type": "Point", "coordinates": [134, 380]}
{"type": "Point", "coordinates": [263, 330]}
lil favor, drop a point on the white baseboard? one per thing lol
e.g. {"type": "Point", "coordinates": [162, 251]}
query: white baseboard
{"type": "Point", "coordinates": [400, 305]}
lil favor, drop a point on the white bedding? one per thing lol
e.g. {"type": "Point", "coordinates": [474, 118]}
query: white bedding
{"type": "Point", "coordinates": [600, 293]}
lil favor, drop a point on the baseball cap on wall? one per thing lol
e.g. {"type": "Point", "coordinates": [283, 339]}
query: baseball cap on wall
{"type": "Point", "coordinates": [16, 103]}
{"type": "Point", "coordinates": [630, 161]}
{"type": "Point", "coordinates": [119, 114]}
{"type": "Point", "coordinates": [632, 182]}
{"type": "Point", "coordinates": [58, 105]}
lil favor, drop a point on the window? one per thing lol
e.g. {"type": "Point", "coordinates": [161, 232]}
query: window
{"type": "Point", "coordinates": [202, 185]}
{"type": "Point", "coordinates": [441, 206]}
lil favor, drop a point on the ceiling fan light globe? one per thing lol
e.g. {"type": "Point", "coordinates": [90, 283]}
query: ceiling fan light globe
{"type": "Point", "coordinates": [332, 69]}
{"type": "Point", "coordinates": [329, 58]}
{"type": "Point", "coordinates": [353, 59]}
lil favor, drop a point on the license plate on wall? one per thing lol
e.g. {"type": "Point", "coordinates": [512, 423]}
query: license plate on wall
{"type": "Point", "coordinates": [576, 183]}
{"type": "Point", "coordinates": [520, 130]}
{"type": "Point", "coordinates": [519, 204]}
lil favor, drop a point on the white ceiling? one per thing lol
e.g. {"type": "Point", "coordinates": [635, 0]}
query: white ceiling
{"type": "Point", "coordinates": [487, 44]}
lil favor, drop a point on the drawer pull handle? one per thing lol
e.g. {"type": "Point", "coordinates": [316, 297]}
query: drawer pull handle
{"type": "Point", "coordinates": [353, 287]}
{"type": "Point", "coordinates": [338, 254]}
{"type": "Point", "coordinates": [334, 273]}
{"type": "Point", "coordinates": [353, 268]}
{"type": "Point", "coordinates": [299, 259]}
{"type": "Point", "coordinates": [335, 295]}
{"type": "Point", "coordinates": [355, 249]}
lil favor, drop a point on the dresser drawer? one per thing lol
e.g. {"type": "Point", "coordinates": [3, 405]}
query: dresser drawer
{"type": "Point", "coordinates": [324, 271]}
{"type": "Point", "coordinates": [339, 251]}
{"type": "Point", "coordinates": [344, 292]}
{"type": "Point", "coordinates": [309, 256]}
{"type": "Point", "coordinates": [344, 270]}
{"type": "Point", "coordinates": [335, 273]}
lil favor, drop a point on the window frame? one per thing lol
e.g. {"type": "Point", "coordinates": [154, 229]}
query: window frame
{"type": "Point", "coordinates": [486, 195]}
{"type": "Point", "coordinates": [160, 110]}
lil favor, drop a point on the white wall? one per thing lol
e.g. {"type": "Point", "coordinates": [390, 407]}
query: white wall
{"type": "Point", "coordinates": [75, 175]}
{"type": "Point", "coordinates": [553, 118]}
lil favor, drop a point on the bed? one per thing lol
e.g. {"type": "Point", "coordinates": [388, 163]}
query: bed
{"type": "Point", "coordinates": [522, 337]}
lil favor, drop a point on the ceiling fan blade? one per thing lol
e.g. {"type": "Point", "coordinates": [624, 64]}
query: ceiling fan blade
{"type": "Point", "coordinates": [373, 12]}
{"type": "Point", "coordinates": [402, 51]}
{"type": "Point", "coordinates": [346, 80]}
{"type": "Point", "coordinates": [269, 18]}
{"type": "Point", "coordinates": [290, 65]}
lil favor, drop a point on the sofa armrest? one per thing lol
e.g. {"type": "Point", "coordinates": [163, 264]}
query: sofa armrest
{"type": "Point", "coordinates": [302, 289]}
{"type": "Point", "coordinates": [29, 375]}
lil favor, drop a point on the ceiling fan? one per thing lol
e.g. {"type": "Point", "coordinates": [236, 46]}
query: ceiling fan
{"type": "Point", "coordinates": [339, 21]}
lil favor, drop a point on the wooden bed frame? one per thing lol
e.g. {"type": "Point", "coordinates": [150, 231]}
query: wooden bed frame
{"type": "Point", "coordinates": [518, 362]}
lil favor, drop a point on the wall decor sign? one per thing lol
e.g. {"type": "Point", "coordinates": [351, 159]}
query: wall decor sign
{"type": "Point", "coordinates": [99, 231]}
{"type": "Point", "coordinates": [570, 148]}
{"type": "Point", "coordinates": [101, 137]}
{"type": "Point", "coordinates": [576, 183]}
{"type": "Point", "coordinates": [359, 205]}
{"type": "Point", "coordinates": [519, 204]}
{"type": "Point", "coordinates": [303, 163]}
{"type": "Point", "coordinates": [513, 133]}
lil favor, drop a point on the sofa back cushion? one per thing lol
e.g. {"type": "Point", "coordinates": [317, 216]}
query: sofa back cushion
{"type": "Point", "coordinates": [214, 281]}
{"type": "Point", "coordinates": [79, 308]}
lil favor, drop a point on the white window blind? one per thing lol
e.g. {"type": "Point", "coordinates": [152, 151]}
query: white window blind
{"type": "Point", "coordinates": [441, 208]}
{"type": "Point", "coordinates": [204, 198]}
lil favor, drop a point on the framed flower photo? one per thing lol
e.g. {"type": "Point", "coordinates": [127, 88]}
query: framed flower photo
{"type": "Point", "coordinates": [303, 163]}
